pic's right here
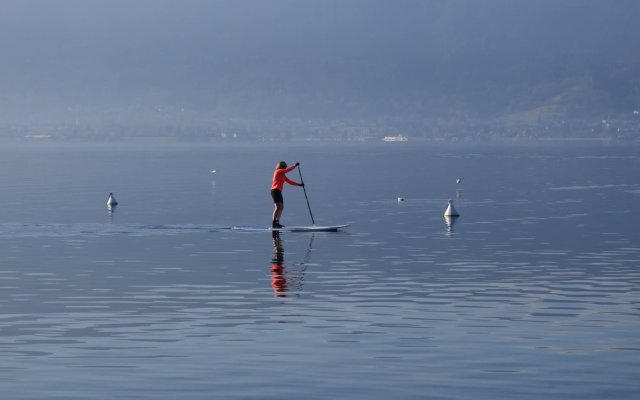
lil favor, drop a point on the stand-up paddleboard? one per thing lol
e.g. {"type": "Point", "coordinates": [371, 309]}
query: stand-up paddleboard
{"type": "Point", "coordinates": [309, 228]}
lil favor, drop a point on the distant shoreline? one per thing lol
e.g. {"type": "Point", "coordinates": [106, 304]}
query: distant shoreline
{"type": "Point", "coordinates": [381, 142]}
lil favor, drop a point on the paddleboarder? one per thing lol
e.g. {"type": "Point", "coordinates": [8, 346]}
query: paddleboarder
{"type": "Point", "coordinates": [279, 179]}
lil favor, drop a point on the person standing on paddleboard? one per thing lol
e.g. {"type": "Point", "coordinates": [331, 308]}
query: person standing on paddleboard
{"type": "Point", "coordinates": [279, 179]}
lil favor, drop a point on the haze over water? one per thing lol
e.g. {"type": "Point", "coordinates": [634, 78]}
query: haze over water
{"type": "Point", "coordinates": [532, 292]}
{"type": "Point", "coordinates": [331, 69]}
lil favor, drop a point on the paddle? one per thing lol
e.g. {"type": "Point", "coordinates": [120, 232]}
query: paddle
{"type": "Point", "coordinates": [305, 194]}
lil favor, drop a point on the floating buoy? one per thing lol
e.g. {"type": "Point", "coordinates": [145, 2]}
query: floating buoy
{"type": "Point", "coordinates": [400, 199]}
{"type": "Point", "coordinates": [111, 200]}
{"type": "Point", "coordinates": [451, 210]}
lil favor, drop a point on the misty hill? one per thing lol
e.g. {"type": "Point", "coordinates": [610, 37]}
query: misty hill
{"type": "Point", "coordinates": [389, 65]}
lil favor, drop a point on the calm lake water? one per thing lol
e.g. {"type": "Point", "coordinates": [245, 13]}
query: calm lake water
{"type": "Point", "coordinates": [533, 292]}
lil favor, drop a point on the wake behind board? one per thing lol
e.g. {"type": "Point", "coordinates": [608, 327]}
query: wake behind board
{"type": "Point", "coordinates": [309, 228]}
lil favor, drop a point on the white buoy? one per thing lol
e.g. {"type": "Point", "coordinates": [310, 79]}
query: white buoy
{"type": "Point", "coordinates": [111, 201]}
{"type": "Point", "coordinates": [400, 199]}
{"type": "Point", "coordinates": [451, 210]}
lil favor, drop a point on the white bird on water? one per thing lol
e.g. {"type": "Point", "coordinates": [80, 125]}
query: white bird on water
{"type": "Point", "coordinates": [111, 200]}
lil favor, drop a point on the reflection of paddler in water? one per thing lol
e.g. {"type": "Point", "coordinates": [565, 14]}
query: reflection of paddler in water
{"type": "Point", "coordinates": [283, 279]}
{"type": "Point", "coordinates": [278, 279]}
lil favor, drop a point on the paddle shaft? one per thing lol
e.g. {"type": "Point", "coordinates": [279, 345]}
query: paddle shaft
{"type": "Point", "coordinates": [305, 195]}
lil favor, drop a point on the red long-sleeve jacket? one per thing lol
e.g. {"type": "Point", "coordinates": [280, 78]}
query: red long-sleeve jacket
{"type": "Point", "coordinates": [280, 177]}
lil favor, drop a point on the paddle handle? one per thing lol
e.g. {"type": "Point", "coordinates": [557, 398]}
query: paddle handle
{"type": "Point", "coordinates": [305, 195]}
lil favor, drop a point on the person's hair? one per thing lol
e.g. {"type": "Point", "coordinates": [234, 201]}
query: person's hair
{"type": "Point", "coordinates": [282, 165]}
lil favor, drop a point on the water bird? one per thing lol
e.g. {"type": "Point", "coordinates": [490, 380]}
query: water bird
{"type": "Point", "coordinates": [400, 199]}
{"type": "Point", "coordinates": [213, 171]}
{"type": "Point", "coordinates": [111, 200]}
{"type": "Point", "coordinates": [451, 210]}
{"type": "Point", "coordinates": [459, 180]}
